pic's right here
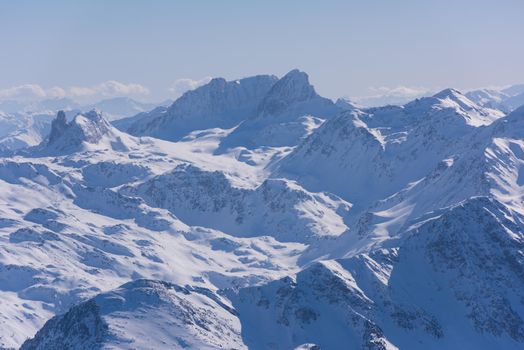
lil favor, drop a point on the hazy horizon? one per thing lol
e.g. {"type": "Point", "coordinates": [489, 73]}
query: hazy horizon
{"type": "Point", "coordinates": [152, 51]}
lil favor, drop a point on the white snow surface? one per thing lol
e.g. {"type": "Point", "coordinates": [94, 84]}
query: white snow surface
{"type": "Point", "coordinates": [272, 219]}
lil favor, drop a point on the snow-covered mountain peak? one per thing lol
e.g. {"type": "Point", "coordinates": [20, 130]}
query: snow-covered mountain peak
{"type": "Point", "coordinates": [291, 90]}
{"type": "Point", "coordinates": [450, 103]}
{"type": "Point", "coordinates": [451, 98]}
{"type": "Point", "coordinates": [58, 127]}
{"type": "Point", "coordinates": [89, 127]}
{"type": "Point", "coordinates": [181, 317]}
{"type": "Point", "coordinates": [289, 112]}
{"type": "Point", "coordinates": [294, 84]}
{"type": "Point", "coordinates": [220, 96]}
{"type": "Point", "coordinates": [448, 93]}
{"type": "Point", "coordinates": [219, 103]}
{"type": "Point", "coordinates": [445, 99]}
{"type": "Point", "coordinates": [85, 131]}
{"type": "Point", "coordinates": [346, 104]}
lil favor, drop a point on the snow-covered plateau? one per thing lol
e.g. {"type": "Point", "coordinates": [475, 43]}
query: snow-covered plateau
{"type": "Point", "coordinates": [256, 214]}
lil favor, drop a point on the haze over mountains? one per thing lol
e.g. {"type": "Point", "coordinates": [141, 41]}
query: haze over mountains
{"type": "Point", "coordinates": [26, 123]}
{"type": "Point", "coordinates": [257, 214]}
{"type": "Point", "coordinates": [506, 99]}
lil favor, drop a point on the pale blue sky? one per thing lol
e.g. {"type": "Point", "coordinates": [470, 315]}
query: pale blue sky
{"type": "Point", "coordinates": [347, 47]}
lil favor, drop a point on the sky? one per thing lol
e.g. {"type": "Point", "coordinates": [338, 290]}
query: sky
{"type": "Point", "coordinates": [153, 50]}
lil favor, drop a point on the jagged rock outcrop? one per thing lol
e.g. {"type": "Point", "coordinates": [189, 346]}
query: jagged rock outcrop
{"type": "Point", "coordinates": [84, 132]}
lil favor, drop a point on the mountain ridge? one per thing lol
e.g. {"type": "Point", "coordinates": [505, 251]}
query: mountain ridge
{"type": "Point", "coordinates": [323, 225]}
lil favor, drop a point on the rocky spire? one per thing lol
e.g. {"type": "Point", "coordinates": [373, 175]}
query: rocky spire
{"type": "Point", "coordinates": [58, 127]}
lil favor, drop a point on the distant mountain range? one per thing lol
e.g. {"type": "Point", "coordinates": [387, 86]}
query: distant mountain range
{"type": "Point", "coordinates": [257, 214]}
{"type": "Point", "coordinates": [114, 108]}
{"type": "Point", "coordinates": [505, 99]}
{"type": "Point", "coordinates": [27, 124]}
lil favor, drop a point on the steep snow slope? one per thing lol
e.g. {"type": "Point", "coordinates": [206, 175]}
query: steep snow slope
{"type": "Point", "coordinates": [453, 281]}
{"type": "Point", "coordinates": [433, 288]}
{"type": "Point", "coordinates": [218, 104]}
{"type": "Point", "coordinates": [144, 314]}
{"type": "Point", "coordinates": [366, 155]}
{"type": "Point", "coordinates": [489, 164]}
{"type": "Point", "coordinates": [289, 112]}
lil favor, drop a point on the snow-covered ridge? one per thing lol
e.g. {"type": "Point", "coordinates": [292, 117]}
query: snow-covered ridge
{"type": "Point", "coordinates": [278, 207]}
{"type": "Point", "coordinates": [381, 150]}
{"type": "Point", "coordinates": [277, 220]}
{"type": "Point", "coordinates": [219, 103]}
{"type": "Point", "coordinates": [385, 298]}
{"type": "Point", "coordinates": [506, 99]}
{"type": "Point", "coordinates": [287, 114]}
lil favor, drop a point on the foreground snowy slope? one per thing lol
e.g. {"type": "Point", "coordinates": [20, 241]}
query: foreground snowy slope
{"type": "Point", "coordinates": [451, 281]}
{"type": "Point", "coordinates": [145, 314]}
{"type": "Point", "coordinates": [339, 227]}
{"type": "Point", "coordinates": [69, 231]}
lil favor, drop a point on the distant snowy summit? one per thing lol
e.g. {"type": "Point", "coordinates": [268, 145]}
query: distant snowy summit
{"type": "Point", "coordinates": [25, 124]}
{"type": "Point", "coordinates": [505, 99]}
{"type": "Point", "coordinates": [293, 95]}
{"type": "Point", "coordinates": [219, 103]}
{"type": "Point", "coordinates": [285, 110]}
{"type": "Point", "coordinates": [224, 104]}
{"type": "Point", "coordinates": [85, 131]}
